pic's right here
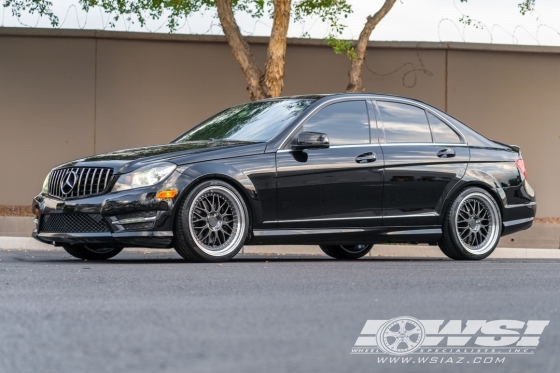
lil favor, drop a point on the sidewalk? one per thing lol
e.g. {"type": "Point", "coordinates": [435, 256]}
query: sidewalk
{"type": "Point", "coordinates": [401, 251]}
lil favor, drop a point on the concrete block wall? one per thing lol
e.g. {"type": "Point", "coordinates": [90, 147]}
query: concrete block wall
{"type": "Point", "coordinates": [66, 94]}
{"type": "Point", "coordinates": [16, 226]}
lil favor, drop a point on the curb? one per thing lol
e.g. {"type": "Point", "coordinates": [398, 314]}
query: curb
{"type": "Point", "coordinates": [406, 251]}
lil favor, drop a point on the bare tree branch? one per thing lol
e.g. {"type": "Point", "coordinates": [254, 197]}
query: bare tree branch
{"type": "Point", "coordinates": [355, 83]}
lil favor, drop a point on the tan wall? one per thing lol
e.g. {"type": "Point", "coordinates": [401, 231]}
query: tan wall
{"type": "Point", "coordinates": [68, 94]}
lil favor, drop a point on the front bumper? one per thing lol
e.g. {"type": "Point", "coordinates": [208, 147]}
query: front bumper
{"type": "Point", "coordinates": [122, 214]}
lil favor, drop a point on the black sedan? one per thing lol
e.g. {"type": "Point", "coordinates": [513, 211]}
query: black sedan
{"type": "Point", "coordinates": [342, 171]}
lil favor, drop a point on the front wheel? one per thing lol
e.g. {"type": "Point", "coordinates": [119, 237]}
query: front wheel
{"type": "Point", "coordinates": [92, 253]}
{"type": "Point", "coordinates": [472, 226]}
{"type": "Point", "coordinates": [346, 251]}
{"type": "Point", "coordinates": [212, 223]}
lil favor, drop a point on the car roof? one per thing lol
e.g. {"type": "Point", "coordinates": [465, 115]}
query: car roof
{"type": "Point", "coordinates": [472, 137]}
{"type": "Point", "coordinates": [341, 94]}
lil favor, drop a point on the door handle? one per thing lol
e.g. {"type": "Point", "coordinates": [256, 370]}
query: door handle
{"type": "Point", "coordinates": [446, 153]}
{"type": "Point", "coordinates": [366, 157]}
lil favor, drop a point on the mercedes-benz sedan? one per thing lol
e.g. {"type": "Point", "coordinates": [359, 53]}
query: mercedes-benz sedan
{"type": "Point", "coordinates": [343, 171]}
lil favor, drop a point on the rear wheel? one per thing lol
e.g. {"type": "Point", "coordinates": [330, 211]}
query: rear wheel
{"type": "Point", "coordinates": [472, 226]}
{"type": "Point", "coordinates": [346, 251]}
{"type": "Point", "coordinates": [92, 253]}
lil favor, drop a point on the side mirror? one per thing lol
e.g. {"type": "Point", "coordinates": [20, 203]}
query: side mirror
{"type": "Point", "coordinates": [311, 140]}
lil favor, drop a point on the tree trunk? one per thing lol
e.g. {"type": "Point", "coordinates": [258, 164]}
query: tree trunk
{"type": "Point", "coordinates": [273, 79]}
{"type": "Point", "coordinates": [241, 50]}
{"type": "Point", "coordinates": [271, 82]}
{"type": "Point", "coordinates": [355, 83]}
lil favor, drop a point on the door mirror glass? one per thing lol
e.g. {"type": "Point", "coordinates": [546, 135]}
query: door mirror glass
{"type": "Point", "coordinates": [311, 140]}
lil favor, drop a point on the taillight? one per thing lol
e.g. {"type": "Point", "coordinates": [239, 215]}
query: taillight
{"type": "Point", "coordinates": [521, 166]}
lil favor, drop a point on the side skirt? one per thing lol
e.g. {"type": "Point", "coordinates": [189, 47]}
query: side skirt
{"type": "Point", "coordinates": [422, 234]}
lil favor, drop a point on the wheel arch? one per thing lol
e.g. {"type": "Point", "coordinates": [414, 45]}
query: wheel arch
{"type": "Point", "coordinates": [239, 181]}
{"type": "Point", "coordinates": [492, 190]}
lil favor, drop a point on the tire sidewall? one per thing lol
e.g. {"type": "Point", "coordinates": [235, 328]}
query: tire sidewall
{"type": "Point", "coordinates": [183, 222]}
{"type": "Point", "coordinates": [453, 223]}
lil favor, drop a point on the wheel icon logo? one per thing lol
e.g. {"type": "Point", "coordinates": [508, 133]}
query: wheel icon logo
{"type": "Point", "coordinates": [401, 336]}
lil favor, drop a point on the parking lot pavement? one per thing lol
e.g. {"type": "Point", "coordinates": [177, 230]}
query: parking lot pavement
{"type": "Point", "coordinates": [149, 311]}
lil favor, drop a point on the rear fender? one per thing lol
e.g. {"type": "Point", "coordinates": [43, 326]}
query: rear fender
{"type": "Point", "coordinates": [476, 178]}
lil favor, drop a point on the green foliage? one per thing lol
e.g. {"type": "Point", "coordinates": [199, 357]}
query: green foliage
{"type": "Point", "coordinates": [342, 47]}
{"type": "Point", "coordinates": [526, 6]}
{"type": "Point", "coordinates": [42, 7]}
{"type": "Point", "coordinates": [467, 20]}
{"type": "Point", "coordinates": [330, 11]}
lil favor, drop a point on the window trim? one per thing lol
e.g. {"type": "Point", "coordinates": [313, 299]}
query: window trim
{"type": "Point", "coordinates": [451, 128]}
{"type": "Point", "coordinates": [285, 144]}
{"type": "Point", "coordinates": [404, 103]}
{"type": "Point", "coordinates": [427, 110]}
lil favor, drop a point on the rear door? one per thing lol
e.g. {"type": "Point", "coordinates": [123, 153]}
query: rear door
{"type": "Point", "coordinates": [340, 186]}
{"type": "Point", "coordinates": [424, 158]}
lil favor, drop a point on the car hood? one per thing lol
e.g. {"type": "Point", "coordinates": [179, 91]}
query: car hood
{"type": "Point", "coordinates": [127, 160]}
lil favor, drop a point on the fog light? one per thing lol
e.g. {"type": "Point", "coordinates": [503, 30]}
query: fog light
{"type": "Point", "coordinates": [36, 211]}
{"type": "Point", "coordinates": [165, 194]}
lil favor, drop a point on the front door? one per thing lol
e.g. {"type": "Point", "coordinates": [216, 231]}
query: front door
{"type": "Point", "coordinates": [341, 186]}
{"type": "Point", "coordinates": [424, 158]}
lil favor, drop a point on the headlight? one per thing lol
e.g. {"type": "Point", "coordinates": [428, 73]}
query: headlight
{"type": "Point", "coordinates": [46, 184]}
{"type": "Point", "coordinates": [144, 176]}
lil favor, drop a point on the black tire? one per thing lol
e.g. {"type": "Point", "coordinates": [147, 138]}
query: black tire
{"type": "Point", "coordinates": [472, 226]}
{"type": "Point", "coordinates": [92, 253]}
{"type": "Point", "coordinates": [346, 251]}
{"type": "Point", "coordinates": [212, 223]}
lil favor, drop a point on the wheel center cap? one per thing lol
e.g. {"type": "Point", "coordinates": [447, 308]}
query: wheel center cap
{"type": "Point", "coordinates": [474, 224]}
{"type": "Point", "coordinates": [215, 221]}
{"type": "Point", "coordinates": [212, 220]}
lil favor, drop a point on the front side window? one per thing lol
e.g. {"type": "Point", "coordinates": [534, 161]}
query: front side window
{"type": "Point", "coordinates": [441, 131]}
{"type": "Point", "coordinates": [345, 123]}
{"type": "Point", "coordinates": [404, 123]}
{"type": "Point", "coordinates": [254, 121]}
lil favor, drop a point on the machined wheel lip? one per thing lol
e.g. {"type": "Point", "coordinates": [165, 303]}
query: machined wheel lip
{"type": "Point", "coordinates": [215, 222]}
{"type": "Point", "coordinates": [476, 221]}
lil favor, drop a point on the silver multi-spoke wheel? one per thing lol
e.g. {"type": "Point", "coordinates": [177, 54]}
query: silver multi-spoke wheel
{"type": "Point", "coordinates": [216, 220]}
{"type": "Point", "coordinates": [472, 225]}
{"type": "Point", "coordinates": [477, 223]}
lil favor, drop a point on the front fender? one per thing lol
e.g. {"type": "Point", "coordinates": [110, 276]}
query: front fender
{"type": "Point", "coordinates": [253, 177]}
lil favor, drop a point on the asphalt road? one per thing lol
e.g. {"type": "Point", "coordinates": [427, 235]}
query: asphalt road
{"type": "Point", "coordinates": [153, 312]}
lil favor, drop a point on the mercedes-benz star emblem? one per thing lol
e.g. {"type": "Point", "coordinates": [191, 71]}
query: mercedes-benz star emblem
{"type": "Point", "coordinates": [67, 184]}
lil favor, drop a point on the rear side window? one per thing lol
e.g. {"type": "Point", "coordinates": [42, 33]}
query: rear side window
{"type": "Point", "coordinates": [345, 123]}
{"type": "Point", "coordinates": [404, 123]}
{"type": "Point", "coordinates": [441, 131]}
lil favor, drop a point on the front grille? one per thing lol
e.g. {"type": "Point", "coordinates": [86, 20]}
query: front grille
{"type": "Point", "coordinates": [73, 223]}
{"type": "Point", "coordinates": [86, 181]}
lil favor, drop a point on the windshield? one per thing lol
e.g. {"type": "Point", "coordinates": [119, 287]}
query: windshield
{"type": "Point", "coordinates": [254, 121]}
